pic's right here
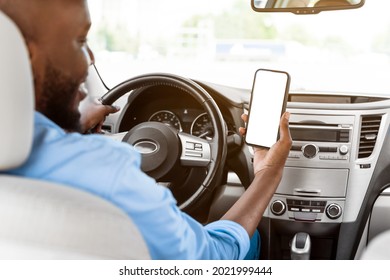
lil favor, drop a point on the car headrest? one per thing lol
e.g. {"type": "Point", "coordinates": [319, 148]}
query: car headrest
{"type": "Point", "coordinates": [16, 96]}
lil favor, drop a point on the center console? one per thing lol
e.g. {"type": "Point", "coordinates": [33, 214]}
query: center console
{"type": "Point", "coordinates": [326, 178]}
{"type": "Point", "coordinates": [311, 197]}
{"type": "Point", "coordinates": [314, 183]}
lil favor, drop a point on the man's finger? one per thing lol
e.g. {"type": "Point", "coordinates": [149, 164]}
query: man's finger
{"type": "Point", "coordinates": [111, 109]}
{"type": "Point", "coordinates": [284, 127]}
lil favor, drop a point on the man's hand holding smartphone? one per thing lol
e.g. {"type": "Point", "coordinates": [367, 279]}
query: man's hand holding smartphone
{"type": "Point", "coordinates": [268, 168]}
{"type": "Point", "coordinates": [276, 156]}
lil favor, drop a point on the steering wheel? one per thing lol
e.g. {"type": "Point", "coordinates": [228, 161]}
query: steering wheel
{"type": "Point", "coordinates": [177, 157]}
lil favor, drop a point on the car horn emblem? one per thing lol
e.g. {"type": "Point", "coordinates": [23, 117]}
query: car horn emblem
{"type": "Point", "coordinates": [146, 147]}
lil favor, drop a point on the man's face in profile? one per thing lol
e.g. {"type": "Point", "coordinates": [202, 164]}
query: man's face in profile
{"type": "Point", "coordinates": [62, 61]}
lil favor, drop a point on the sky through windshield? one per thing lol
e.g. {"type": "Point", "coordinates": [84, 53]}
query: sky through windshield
{"type": "Point", "coordinates": [225, 42]}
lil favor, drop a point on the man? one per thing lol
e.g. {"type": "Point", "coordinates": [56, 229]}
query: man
{"type": "Point", "coordinates": [55, 33]}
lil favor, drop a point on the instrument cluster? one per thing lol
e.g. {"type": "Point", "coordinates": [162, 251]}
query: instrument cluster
{"type": "Point", "coordinates": [191, 121]}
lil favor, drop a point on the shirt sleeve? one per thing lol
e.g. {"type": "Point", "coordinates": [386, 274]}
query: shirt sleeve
{"type": "Point", "coordinates": [232, 233]}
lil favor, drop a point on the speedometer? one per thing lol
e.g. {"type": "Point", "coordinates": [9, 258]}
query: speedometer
{"type": "Point", "coordinates": [166, 117]}
{"type": "Point", "coordinates": [202, 127]}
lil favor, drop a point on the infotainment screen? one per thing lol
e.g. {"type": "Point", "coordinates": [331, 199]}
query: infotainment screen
{"type": "Point", "coordinates": [319, 135]}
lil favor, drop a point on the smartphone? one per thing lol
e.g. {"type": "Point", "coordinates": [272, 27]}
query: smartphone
{"type": "Point", "coordinates": [268, 103]}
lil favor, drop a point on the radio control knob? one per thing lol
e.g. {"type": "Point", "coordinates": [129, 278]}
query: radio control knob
{"type": "Point", "coordinates": [343, 150]}
{"type": "Point", "coordinates": [310, 150]}
{"type": "Point", "coordinates": [333, 211]}
{"type": "Point", "coordinates": [278, 207]}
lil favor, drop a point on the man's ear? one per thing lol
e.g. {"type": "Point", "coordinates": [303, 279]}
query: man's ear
{"type": "Point", "coordinates": [37, 66]}
{"type": "Point", "coordinates": [33, 51]}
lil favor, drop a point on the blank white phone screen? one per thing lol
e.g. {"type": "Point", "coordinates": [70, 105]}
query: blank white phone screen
{"type": "Point", "coordinates": [266, 107]}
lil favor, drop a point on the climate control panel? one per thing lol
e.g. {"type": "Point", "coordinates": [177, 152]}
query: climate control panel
{"type": "Point", "coordinates": [306, 209]}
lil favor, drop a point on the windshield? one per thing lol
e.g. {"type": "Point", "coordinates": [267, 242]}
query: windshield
{"type": "Point", "coordinates": [225, 42]}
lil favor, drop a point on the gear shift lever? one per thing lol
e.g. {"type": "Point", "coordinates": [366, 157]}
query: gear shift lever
{"type": "Point", "coordinates": [301, 246]}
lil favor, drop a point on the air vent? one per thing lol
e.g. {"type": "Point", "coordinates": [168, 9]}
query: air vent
{"type": "Point", "coordinates": [368, 135]}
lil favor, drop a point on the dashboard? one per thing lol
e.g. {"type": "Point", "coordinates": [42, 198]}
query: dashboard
{"type": "Point", "coordinates": [172, 107]}
{"type": "Point", "coordinates": [337, 169]}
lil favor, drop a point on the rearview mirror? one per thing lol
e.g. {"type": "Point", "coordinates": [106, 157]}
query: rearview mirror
{"type": "Point", "coordinates": [304, 6]}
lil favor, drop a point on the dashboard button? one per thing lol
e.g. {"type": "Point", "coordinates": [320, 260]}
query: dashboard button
{"type": "Point", "coordinates": [310, 150]}
{"type": "Point", "coordinates": [318, 203]}
{"type": "Point", "coordinates": [343, 150]}
{"type": "Point", "coordinates": [333, 211]}
{"type": "Point", "coordinates": [278, 207]}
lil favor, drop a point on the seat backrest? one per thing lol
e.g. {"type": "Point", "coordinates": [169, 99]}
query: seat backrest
{"type": "Point", "coordinates": [42, 220]}
{"type": "Point", "coordinates": [378, 248]}
{"type": "Point", "coordinates": [17, 98]}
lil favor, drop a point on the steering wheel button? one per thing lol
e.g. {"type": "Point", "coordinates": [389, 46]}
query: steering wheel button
{"type": "Point", "coordinates": [198, 147]}
{"type": "Point", "coordinates": [194, 154]}
{"type": "Point", "coordinates": [190, 146]}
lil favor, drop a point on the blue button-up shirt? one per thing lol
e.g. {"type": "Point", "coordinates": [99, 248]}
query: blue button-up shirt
{"type": "Point", "coordinates": [111, 170]}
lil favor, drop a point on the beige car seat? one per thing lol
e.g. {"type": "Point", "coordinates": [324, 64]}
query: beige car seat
{"type": "Point", "coordinates": [42, 220]}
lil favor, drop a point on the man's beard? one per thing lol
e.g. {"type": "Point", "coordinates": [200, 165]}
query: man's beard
{"type": "Point", "coordinates": [57, 100]}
